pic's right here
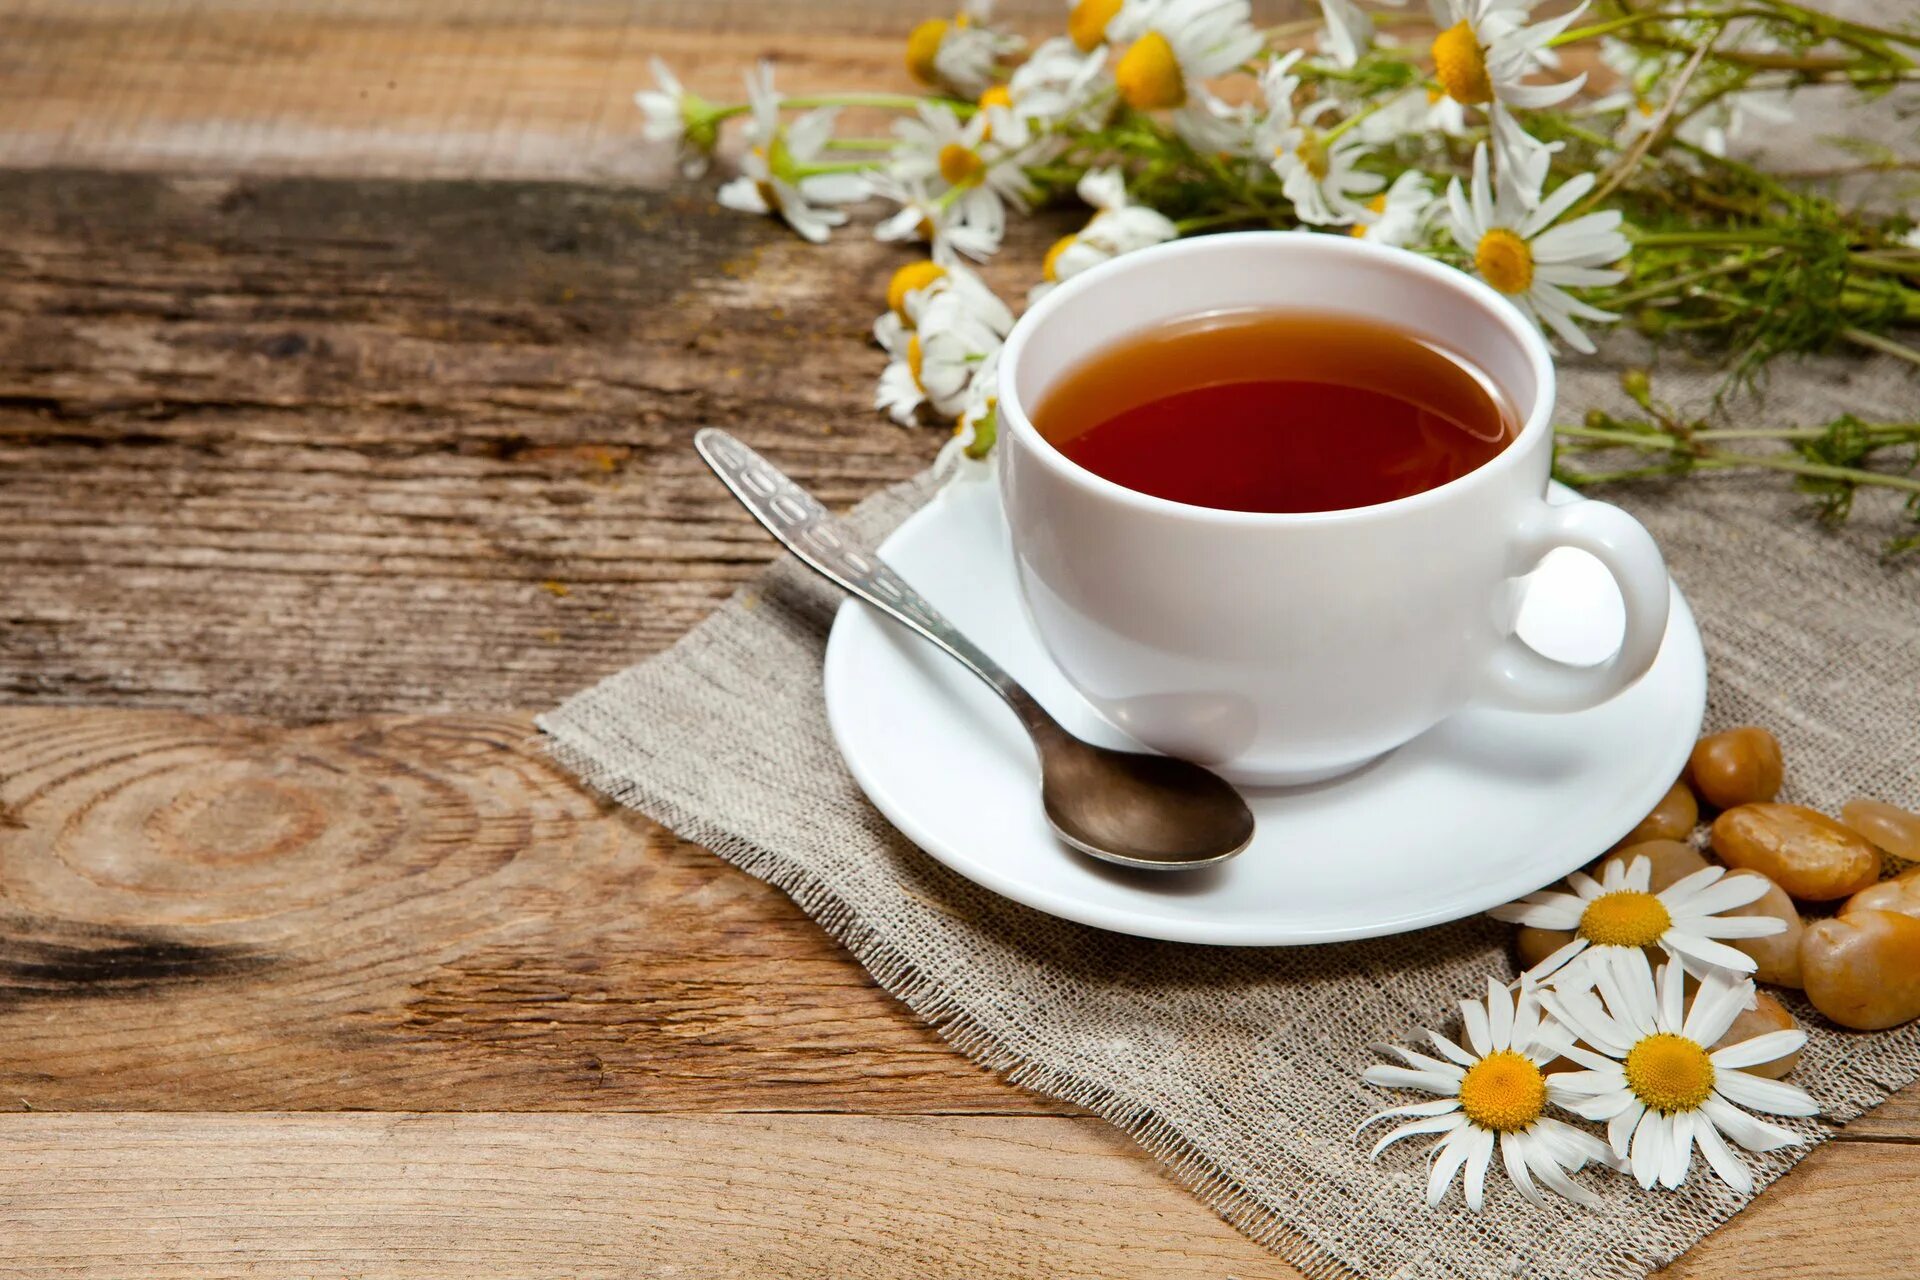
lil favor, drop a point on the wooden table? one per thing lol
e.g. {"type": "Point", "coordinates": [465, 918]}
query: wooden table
{"type": "Point", "coordinates": [348, 362]}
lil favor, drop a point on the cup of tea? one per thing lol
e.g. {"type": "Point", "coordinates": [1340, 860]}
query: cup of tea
{"type": "Point", "coordinates": [1272, 497]}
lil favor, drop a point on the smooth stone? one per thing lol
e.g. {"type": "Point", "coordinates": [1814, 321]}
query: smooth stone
{"type": "Point", "coordinates": [1739, 766]}
{"type": "Point", "coordinates": [1767, 1014]}
{"type": "Point", "coordinates": [1902, 894]}
{"type": "Point", "coordinates": [1776, 958]}
{"type": "Point", "coordinates": [1669, 861]}
{"type": "Point", "coordinates": [1888, 826]}
{"type": "Point", "coordinates": [1862, 968]}
{"type": "Point", "coordinates": [1672, 819]}
{"type": "Point", "coordinates": [1808, 854]}
{"type": "Point", "coordinates": [1534, 945]}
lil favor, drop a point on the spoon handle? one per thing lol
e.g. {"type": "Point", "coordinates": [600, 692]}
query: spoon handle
{"type": "Point", "coordinates": [809, 530]}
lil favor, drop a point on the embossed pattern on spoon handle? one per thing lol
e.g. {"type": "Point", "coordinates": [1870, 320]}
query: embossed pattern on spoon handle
{"type": "Point", "coordinates": [811, 532]}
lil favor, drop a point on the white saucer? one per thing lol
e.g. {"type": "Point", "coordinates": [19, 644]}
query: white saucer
{"type": "Point", "coordinates": [1487, 806]}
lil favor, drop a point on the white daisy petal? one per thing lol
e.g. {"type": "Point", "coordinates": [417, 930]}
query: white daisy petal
{"type": "Point", "coordinates": [1537, 915]}
{"type": "Point", "coordinates": [1414, 1128]}
{"type": "Point", "coordinates": [1679, 1152]}
{"type": "Point", "coordinates": [1479, 1032]}
{"type": "Point", "coordinates": [1620, 1128]}
{"type": "Point", "coordinates": [1499, 1008]}
{"type": "Point", "coordinates": [1438, 1107]}
{"type": "Point", "coordinates": [1450, 1049]}
{"type": "Point", "coordinates": [1770, 1047]}
{"type": "Point", "coordinates": [1727, 893]}
{"type": "Point", "coordinates": [1479, 1156]}
{"type": "Point", "coordinates": [1715, 1006]}
{"type": "Point", "coordinates": [1513, 1155]}
{"type": "Point", "coordinates": [1721, 1159]}
{"type": "Point", "coordinates": [1447, 1161]}
{"type": "Point", "coordinates": [1423, 1062]}
{"type": "Point", "coordinates": [1585, 1084]}
{"type": "Point", "coordinates": [1404, 1078]}
{"type": "Point", "coordinates": [1775, 1097]}
{"type": "Point", "coordinates": [1651, 1137]}
{"type": "Point", "coordinates": [1673, 997]}
{"type": "Point", "coordinates": [1749, 1131]}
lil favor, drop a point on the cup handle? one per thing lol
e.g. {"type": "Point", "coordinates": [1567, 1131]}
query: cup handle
{"type": "Point", "coordinates": [1520, 677]}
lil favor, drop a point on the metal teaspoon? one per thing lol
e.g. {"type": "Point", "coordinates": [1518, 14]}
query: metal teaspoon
{"type": "Point", "coordinates": [1125, 807]}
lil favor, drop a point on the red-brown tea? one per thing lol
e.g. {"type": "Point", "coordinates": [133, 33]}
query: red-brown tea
{"type": "Point", "coordinates": [1277, 411]}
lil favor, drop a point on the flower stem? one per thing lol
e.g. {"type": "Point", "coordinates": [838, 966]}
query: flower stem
{"type": "Point", "coordinates": [1332, 135]}
{"type": "Point", "coordinates": [843, 166]}
{"type": "Point", "coordinates": [884, 101]}
{"type": "Point", "coordinates": [1695, 456]}
{"type": "Point", "coordinates": [1886, 346]}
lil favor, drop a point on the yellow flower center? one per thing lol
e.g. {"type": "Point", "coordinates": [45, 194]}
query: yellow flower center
{"type": "Point", "coordinates": [1313, 154]}
{"type": "Point", "coordinates": [1504, 261]}
{"type": "Point", "coordinates": [1669, 1073]}
{"type": "Point", "coordinates": [1460, 65]}
{"type": "Point", "coordinates": [922, 44]}
{"type": "Point", "coordinates": [1379, 206]}
{"type": "Point", "coordinates": [1050, 266]}
{"type": "Point", "coordinates": [1087, 23]}
{"type": "Point", "coordinates": [1149, 75]}
{"type": "Point", "coordinates": [1628, 918]}
{"type": "Point", "coordinates": [996, 96]}
{"type": "Point", "coordinates": [960, 165]}
{"type": "Point", "coordinates": [1503, 1091]}
{"type": "Point", "coordinates": [1644, 107]}
{"type": "Point", "coordinates": [915, 275]}
{"type": "Point", "coordinates": [913, 360]}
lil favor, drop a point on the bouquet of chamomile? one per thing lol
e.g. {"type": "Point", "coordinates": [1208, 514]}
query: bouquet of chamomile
{"type": "Point", "coordinates": [1594, 166]}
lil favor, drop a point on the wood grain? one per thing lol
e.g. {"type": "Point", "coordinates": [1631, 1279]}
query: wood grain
{"type": "Point", "coordinates": [439, 1196]}
{"type": "Point", "coordinates": [412, 913]}
{"type": "Point", "coordinates": [834, 1197]}
{"type": "Point", "coordinates": [309, 449]}
{"type": "Point", "coordinates": [431, 88]}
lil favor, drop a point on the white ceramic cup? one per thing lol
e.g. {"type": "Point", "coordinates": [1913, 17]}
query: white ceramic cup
{"type": "Point", "coordinates": [1288, 648]}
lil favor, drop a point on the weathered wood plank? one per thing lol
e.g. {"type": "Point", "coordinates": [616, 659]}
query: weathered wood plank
{"type": "Point", "coordinates": [312, 449]}
{"type": "Point", "coordinates": [793, 1196]}
{"type": "Point", "coordinates": [444, 1197]}
{"type": "Point", "coordinates": [405, 913]}
{"type": "Point", "coordinates": [432, 88]}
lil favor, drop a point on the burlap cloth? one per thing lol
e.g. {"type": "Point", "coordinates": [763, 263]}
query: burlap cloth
{"type": "Point", "coordinates": [1240, 1067]}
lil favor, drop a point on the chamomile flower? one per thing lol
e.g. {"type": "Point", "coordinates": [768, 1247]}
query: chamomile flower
{"type": "Point", "coordinates": [1088, 20]}
{"type": "Point", "coordinates": [1059, 81]}
{"type": "Point", "coordinates": [1633, 96]}
{"type": "Point", "coordinates": [977, 175]}
{"type": "Point", "coordinates": [977, 426]}
{"type": "Point", "coordinates": [934, 361]}
{"type": "Point", "coordinates": [925, 217]}
{"type": "Point", "coordinates": [1654, 1079]}
{"type": "Point", "coordinates": [1617, 914]}
{"type": "Point", "coordinates": [773, 174]}
{"type": "Point", "coordinates": [1520, 252]}
{"type": "Point", "coordinates": [684, 120]}
{"type": "Point", "coordinates": [1174, 45]}
{"type": "Point", "coordinates": [1118, 227]}
{"type": "Point", "coordinates": [1316, 166]}
{"type": "Point", "coordinates": [913, 286]}
{"type": "Point", "coordinates": [1398, 216]}
{"type": "Point", "coordinates": [1486, 50]}
{"type": "Point", "coordinates": [1491, 1091]}
{"type": "Point", "coordinates": [959, 53]}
